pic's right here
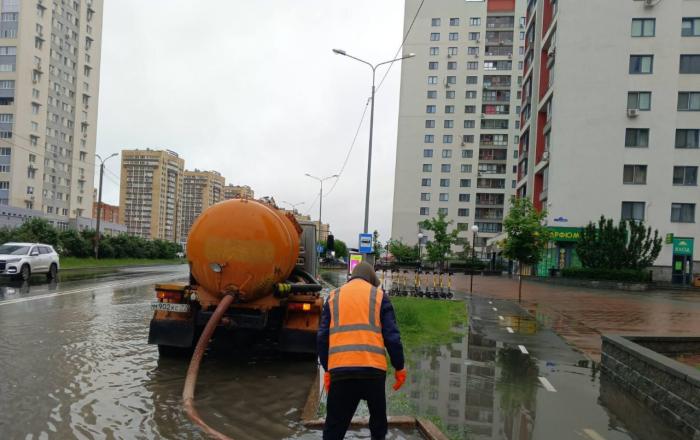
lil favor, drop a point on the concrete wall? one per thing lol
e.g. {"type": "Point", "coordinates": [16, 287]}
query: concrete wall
{"type": "Point", "coordinates": [669, 388]}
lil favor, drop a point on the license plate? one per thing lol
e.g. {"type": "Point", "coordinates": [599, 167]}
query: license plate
{"type": "Point", "coordinates": [170, 307]}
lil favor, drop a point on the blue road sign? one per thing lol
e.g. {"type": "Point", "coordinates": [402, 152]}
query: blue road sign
{"type": "Point", "coordinates": [365, 246]}
{"type": "Point", "coordinates": [319, 248]}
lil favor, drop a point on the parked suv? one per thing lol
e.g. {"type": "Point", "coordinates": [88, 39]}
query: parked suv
{"type": "Point", "coordinates": [22, 260]}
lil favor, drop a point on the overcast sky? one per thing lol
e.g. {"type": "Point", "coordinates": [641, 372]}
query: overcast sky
{"type": "Point", "coordinates": [251, 89]}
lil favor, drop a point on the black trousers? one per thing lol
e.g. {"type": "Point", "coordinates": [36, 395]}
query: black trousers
{"type": "Point", "coordinates": [343, 398]}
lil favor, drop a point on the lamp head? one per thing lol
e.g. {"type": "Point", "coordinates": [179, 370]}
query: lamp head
{"type": "Point", "coordinates": [475, 229]}
{"type": "Point", "coordinates": [339, 52]}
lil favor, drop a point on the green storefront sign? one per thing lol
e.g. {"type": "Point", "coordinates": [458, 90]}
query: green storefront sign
{"type": "Point", "coordinates": [562, 233]}
{"type": "Point", "coordinates": [683, 246]}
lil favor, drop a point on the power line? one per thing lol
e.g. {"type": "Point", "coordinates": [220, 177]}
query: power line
{"type": "Point", "coordinates": [405, 37]}
{"type": "Point", "coordinates": [352, 145]}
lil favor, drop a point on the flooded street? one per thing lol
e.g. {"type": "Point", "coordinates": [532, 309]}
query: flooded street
{"type": "Point", "coordinates": [75, 364]}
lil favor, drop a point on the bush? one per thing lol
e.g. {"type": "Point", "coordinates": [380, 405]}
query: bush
{"type": "Point", "coordinates": [623, 275]}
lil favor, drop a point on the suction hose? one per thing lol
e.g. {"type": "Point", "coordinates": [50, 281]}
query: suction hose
{"type": "Point", "coordinates": [193, 370]}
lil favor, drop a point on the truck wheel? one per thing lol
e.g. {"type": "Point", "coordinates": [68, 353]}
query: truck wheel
{"type": "Point", "coordinates": [53, 272]}
{"type": "Point", "coordinates": [168, 351]}
{"type": "Point", "coordinates": [25, 273]}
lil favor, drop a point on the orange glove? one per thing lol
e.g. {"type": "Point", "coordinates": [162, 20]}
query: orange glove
{"type": "Point", "coordinates": [400, 379]}
{"type": "Point", "coordinates": [327, 380]}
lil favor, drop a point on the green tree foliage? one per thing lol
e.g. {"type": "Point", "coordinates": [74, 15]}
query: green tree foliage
{"type": "Point", "coordinates": [377, 247]}
{"type": "Point", "coordinates": [403, 252]}
{"type": "Point", "coordinates": [341, 249]}
{"type": "Point", "coordinates": [527, 236]}
{"type": "Point", "coordinates": [71, 243]}
{"type": "Point", "coordinates": [627, 245]}
{"type": "Point", "coordinates": [440, 247]}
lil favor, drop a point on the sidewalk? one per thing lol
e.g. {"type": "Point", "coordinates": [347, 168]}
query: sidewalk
{"type": "Point", "coordinates": [581, 315]}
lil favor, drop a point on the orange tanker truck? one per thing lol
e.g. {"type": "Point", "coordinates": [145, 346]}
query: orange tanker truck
{"type": "Point", "coordinates": [263, 262]}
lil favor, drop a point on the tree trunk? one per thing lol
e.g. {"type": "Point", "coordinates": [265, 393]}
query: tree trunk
{"type": "Point", "coordinates": [520, 283]}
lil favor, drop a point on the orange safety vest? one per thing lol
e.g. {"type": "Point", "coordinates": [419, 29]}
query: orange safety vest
{"type": "Point", "coordinates": [356, 331]}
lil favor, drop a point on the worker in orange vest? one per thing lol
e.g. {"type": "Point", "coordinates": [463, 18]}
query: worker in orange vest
{"type": "Point", "coordinates": [358, 327]}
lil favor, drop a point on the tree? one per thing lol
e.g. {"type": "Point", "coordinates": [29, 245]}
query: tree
{"type": "Point", "coordinates": [403, 252]}
{"type": "Point", "coordinates": [440, 247]}
{"type": "Point", "coordinates": [36, 230]}
{"type": "Point", "coordinates": [341, 249]}
{"type": "Point", "coordinates": [629, 245]}
{"type": "Point", "coordinates": [377, 247]}
{"type": "Point", "coordinates": [527, 237]}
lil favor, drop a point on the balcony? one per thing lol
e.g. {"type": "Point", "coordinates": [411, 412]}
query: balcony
{"type": "Point", "coordinates": [493, 155]}
{"type": "Point", "coordinates": [498, 51]}
{"type": "Point", "coordinates": [490, 183]}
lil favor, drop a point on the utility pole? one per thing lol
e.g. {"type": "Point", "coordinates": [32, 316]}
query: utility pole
{"type": "Point", "coordinates": [99, 204]}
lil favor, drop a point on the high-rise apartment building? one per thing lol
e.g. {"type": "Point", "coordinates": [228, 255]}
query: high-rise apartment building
{"type": "Point", "coordinates": [238, 192]}
{"type": "Point", "coordinates": [200, 190]}
{"type": "Point", "coordinates": [149, 193]}
{"type": "Point", "coordinates": [611, 118]}
{"type": "Point", "coordinates": [49, 84]}
{"type": "Point", "coordinates": [458, 117]}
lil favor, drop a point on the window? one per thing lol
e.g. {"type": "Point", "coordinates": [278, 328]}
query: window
{"type": "Point", "coordinates": [446, 153]}
{"type": "Point", "coordinates": [472, 79]}
{"type": "Point", "coordinates": [454, 21]}
{"type": "Point", "coordinates": [435, 22]}
{"type": "Point", "coordinates": [4, 168]}
{"type": "Point", "coordinates": [474, 36]}
{"type": "Point", "coordinates": [444, 197]}
{"type": "Point", "coordinates": [472, 65]}
{"type": "Point", "coordinates": [683, 212]}
{"type": "Point", "coordinates": [449, 109]}
{"type": "Point", "coordinates": [435, 36]}
{"type": "Point", "coordinates": [452, 65]}
{"type": "Point", "coordinates": [689, 101]}
{"type": "Point", "coordinates": [432, 94]}
{"type": "Point", "coordinates": [427, 167]}
{"type": "Point", "coordinates": [643, 27]}
{"type": "Point", "coordinates": [448, 123]}
{"type": "Point", "coordinates": [468, 138]}
{"type": "Point", "coordinates": [690, 27]}
{"type": "Point", "coordinates": [690, 64]}
{"type": "Point", "coordinates": [467, 154]}
{"type": "Point", "coordinates": [463, 212]}
{"type": "Point", "coordinates": [464, 197]}
{"type": "Point", "coordinates": [470, 94]}
{"type": "Point", "coordinates": [473, 50]}
{"type": "Point", "coordinates": [452, 51]}
{"type": "Point", "coordinates": [425, 182]}
{"type": "Point", "coordinates": [442, 211]}
{"type": "Point", "coordinates": [429, 138]}
{"type": "Point", "coordinates": [633, 211]}
{"type": "Point", "coordinates": [642, 64]}
{"type": "Point", "coordinates": [445, 168]}
{"type": "Point", "coordinates": [453, 36]}
{"type": "Point", "coordinates": [432, 65]}
{"type": "Point", "coordinates": [445, 183]}
{"type": "Point", "coordinates": [475, 21]}
{"type": "Point", "coordinates": [428, 152]}
{"type": "Point", "coordinates": [430, 108]}
{"type": "Point", "coordinates": [685, 176]}
{"type": "Point", "coordinates": [425, 197]}
{"type": "Point", "coordinates": [424, 211]}
{"type": "Point", "coordinates": [430, 123]}
{"type": "Point", "coordinates": [450, 94]}
{"type": "Point", "coordinates": [469, 123]}
{"type": "Point", "coordinates": [451, 80]}
{"type": "Point", "coordinates": [465, 168]}
{"type": "Point", "coordinates": [465, 183]}
{"type": "Point", "coordinates": [634, 175]}
{"type": "Point", "coordinates": [432, 80]}
{"type": "Point", "coordinates": [686, 138]}
{"type": "Point", "coordinates": [469, 109]}
{"type": "Point", "coordinates": [434, 51]}
{"type": "Point", "coordinates": [639, 100]}
{"type": "Point", "coordinates": [637, 137]}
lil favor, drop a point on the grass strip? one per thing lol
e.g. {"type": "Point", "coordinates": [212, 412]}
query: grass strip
{"type": "Point", "coordinates": [428, 322]}
{"type": "Point", "coordinates": [79, 263]}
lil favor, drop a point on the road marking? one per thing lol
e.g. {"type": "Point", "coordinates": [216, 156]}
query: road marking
{"type": "Point", "coordinates": [87, 289]}
{"type": "Point", "coordinates": [510, 330]}
{"type": "Point", "coordinates": [548, 386]}
{"type": "Point", "coordinates": [490, 302]}
{"type": "Point", "coordinates": [500, 317]}
{"type": "Point", "coordinates": [523, 349]}
{"type": "Point", "coordinates": [494, 309]}
{"type": "Point", "coordinates": [593, 435]}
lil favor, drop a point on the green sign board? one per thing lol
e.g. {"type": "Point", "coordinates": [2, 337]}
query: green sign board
{"type": "Point", "coordinates": [563, 233]}
{"type": "Point", "coordinates": [682, 246]}
{"type": "Point", "coordinates": [669, 238]}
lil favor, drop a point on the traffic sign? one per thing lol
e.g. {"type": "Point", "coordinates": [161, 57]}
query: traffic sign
{"type": "Point", "coordinates": [365, 246]}
{"type": "Point", "coordinates": [319, 248]}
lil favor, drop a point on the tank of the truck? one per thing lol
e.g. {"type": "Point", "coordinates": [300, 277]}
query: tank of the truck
{"type": "Point", "coordinates": [243, 246]}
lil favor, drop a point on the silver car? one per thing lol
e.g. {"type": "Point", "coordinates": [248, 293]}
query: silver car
{"type": "Point", "coordinates": [22, 260]}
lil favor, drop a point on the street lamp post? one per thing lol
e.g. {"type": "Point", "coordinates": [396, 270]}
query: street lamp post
{"type": "Point", "coordinates": [293, 205]}
{"type": "Point", "coordinates": [99, 202]}
{"type": "Point", "coordinates": [371, 122]}
{"type": "Point", "coordinates": [320, 180]}
{"type": "Point", "coordinates": [475, 230]}
{"type": "Point", "coordinates": [420, 249]}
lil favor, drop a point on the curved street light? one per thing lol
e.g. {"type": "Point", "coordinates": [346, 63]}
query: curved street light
{"type": "Point", "coordinates": [99, 201]}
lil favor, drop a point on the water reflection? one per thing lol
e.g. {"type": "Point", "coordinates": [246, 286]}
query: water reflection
{"type": "Point", "coordinates": [475, 388]}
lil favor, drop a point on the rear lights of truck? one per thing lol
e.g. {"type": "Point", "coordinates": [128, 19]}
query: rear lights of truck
{"type": "Point", "coordinates": [300, 307]}
{"type": "Point", "coordinates": [169, 296]}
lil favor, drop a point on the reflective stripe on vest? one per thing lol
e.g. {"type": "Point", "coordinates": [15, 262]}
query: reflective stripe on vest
{"type": "Point", "coordinates": [355, 330]}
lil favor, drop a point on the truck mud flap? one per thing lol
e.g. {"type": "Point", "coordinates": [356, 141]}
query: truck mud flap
{"type": "Point", "coordinates": [297, 341]}
{"type": "Point", "coordinates": [172, 332]}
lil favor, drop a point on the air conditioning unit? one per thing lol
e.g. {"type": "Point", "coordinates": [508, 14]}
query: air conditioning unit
{"type": "Point", "coordinates": [449, 55]}
{"type": "Point", "coordinates": [483, 116]}
{"type": "Point", "coordinates": [632, 112]}
{"type": "Point", "coordinates": [552, 51]}
{"type": "Point", "coordinates": [650, 3]}
{"type": "Point", "coordinates": [476, 55]}
{"type": "Point", "coordinates": [545, 155]}
{"type": "Point", "coordinates": [463, 144]}
{"type": "Point", "coordinates": [510, 56]}
{"type": "Point", "coordinates": [477, 41]}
